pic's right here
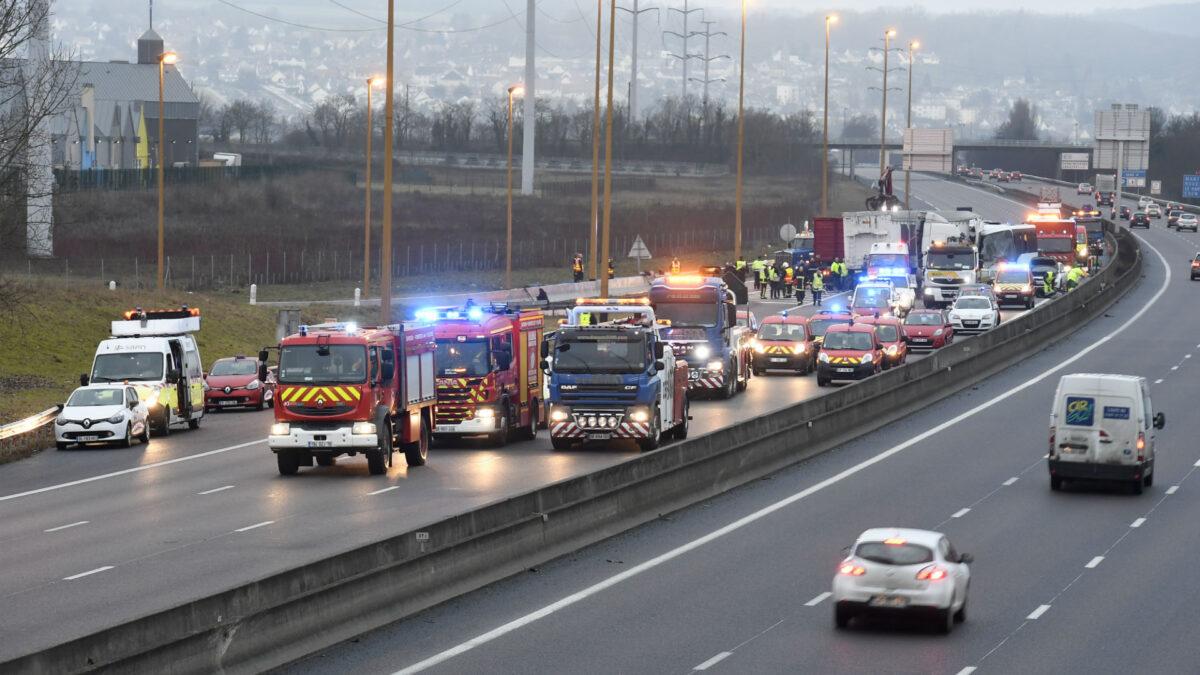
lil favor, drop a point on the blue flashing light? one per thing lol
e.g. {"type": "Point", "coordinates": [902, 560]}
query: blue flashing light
{"type": "Point", "coordinates": [783, 313]}
{"type": "Point", "coordinates": [475, 314]}
{"type": "Point", "coordinates": [835, 308]}
{"type": "Point", "coordinates": [303, 331]}
{"type": "Point", "coordinates": [350, 327]}
{"type": "Point", "coordinates": [427, 314]}
{"type": "Point", "coordinates": [862, 277]}
{"type": "Point", "coordinates": [452, 314]}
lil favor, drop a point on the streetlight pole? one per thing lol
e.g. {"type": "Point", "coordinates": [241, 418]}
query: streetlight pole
{"type": "Point", "coordinates": [737, 225]}
{"type": "Point", "coordinates": [385, 282]}
{"type": "Point", "coordinates": [366, 290]}
{"type": "Point", "coordinates": [594, 226]}
{"type": "Point", "coordinates": [163, 60]}
{"type": "Point", "coordinates": [832, 18]}
{"type": "Point", "coordinates": [887, 39]}
{"type": "Point", "coordinates": [908, 123]}
{"type": "Point", "coordinates": [608, 141]}
{"type": "Point", "coordinates": [512, 91]}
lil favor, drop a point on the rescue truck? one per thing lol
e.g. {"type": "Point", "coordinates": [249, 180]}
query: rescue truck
{"type": "Point", "coordinates": [1055, 237]}
{"type": "Point", "coordinates": [488, 380]}
{"type": "Point", "coordinates": [154, 351]}
{"type": "Point", "coordinates": [948, 266]}
{"type": "Point", "coordinates": [889, 262]}
{"type": "Point", "coordinates": [616, 379]}
{"type": "Point", "coordinates": [344, 390]}
{"type": "Point", "coordinates": [700, 323]}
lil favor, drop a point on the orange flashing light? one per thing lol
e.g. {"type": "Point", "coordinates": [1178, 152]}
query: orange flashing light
{"type": "Point", "coordinates": [685, 279]}
{"type": "Point", "coordinates": [612, 301]}
{"type": "Point", "coordinates": [894, 542]}
{"type": "Point", "coordinates": [150, 313]}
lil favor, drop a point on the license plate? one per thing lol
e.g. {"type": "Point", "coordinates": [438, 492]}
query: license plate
{"type": "Point", "coordinates": [888, 601]}
{"type": "Point", "coordinates": [1011, 297]}
{"type": "Point", "coordinates": [845, 370]}
{"type": "Point", "coordinates": [918, 341]}
{"type": "Point", "coordinates": [85, 439]}
{"type": "Point", "coordinates": [779, 359]}
{"type": "Point", "coordinates": [226, 402]}
{"type": "Point", "coordinates": [599, 437]}
{"type": "Point", "coordinates": [320, 444]}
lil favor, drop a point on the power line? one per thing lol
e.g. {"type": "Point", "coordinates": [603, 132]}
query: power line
{"type": "Point", "coordinates": [442, 31]}
{"type": "Point", "coordinates": [399, 25]}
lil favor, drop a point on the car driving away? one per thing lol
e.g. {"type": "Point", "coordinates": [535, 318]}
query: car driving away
{"type": "Point", "coordinates": [974, 314]}
{"type": "Point", "coordinates": [902, 572]}
{"type": "Point", "coordinates": [1186, 221]}
{"type": "Point", "coordinates": [1084, 189]}
{"type": "Point", "coordinates": [102, 413]}
{"type": "Point", "coordinates": [1139, 219]}
{"type": "Point", "coordinates": [927, 329]}
{"type": "Point", "coordinates": [1154, 210]}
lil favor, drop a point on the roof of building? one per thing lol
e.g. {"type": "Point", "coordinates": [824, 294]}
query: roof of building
{"type": "Point", "coordinates": [121, 81]}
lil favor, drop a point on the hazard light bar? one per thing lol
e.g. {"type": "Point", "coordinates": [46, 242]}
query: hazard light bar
{"type": "Point", "coordinates": [449, 314]}
{"type": "Point", "coordinates": [180, 313]}
{"type": "Point", "coordinates": [686, 279]}
{"type": "Point", "coordinates": [612, 301]}
{"type": "Point", "coordinates": [139, 322]}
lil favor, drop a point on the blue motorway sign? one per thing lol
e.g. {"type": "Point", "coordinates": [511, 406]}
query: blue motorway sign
{"type": "Point", "coordinates": [1191, 186]}
{"type": "Point", "coordinates": [1133, 178]}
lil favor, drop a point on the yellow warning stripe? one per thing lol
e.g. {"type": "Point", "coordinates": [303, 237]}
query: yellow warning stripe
{"type": "Point", "coordinates": [306, 394]}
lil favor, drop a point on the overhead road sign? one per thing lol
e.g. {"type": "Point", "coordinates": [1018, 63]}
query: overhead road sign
{"type": "Point", "coordinates": [1075, 161]}
{"type": "Point", "coordinates": [1133, 178]}
{"type": "Point", "coordinates": [1191, 186]}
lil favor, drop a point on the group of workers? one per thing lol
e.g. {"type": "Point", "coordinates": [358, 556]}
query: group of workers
{"type": "Point", "coordinates": [577, 268]}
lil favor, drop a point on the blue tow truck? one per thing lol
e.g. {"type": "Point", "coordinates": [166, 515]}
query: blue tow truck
{"type": "Point", "coordinates": [699, 321]}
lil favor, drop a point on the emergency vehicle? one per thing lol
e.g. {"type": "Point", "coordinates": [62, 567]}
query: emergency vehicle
{"type": "Point", "coordinates": [488, 380]}
{"type": "Point", "coordinates": [344, 390]}
{"type": "Point", "coordinates": [948, 266]}
{"type": "Point", "coordinates": [155, 352]}
{"type": "Point", "coordinates": [785, 342]}
{"type": "Point", "coordinates": [849, 352]}
{"type": "Point", "coordinates": [1014, 285]}
{"type": "Point", "coordinates": [701, 326]}
{"type": "Point", "coordinates": [821, 321]}
{"type": "Point", "coordinates": [616, 379]}
{"type": "Point", "coordinates": [890, 333]}
{"type": "Point", "coordinates": [874, 297]}
{"type": "Point", "coordinates": [1055, 237]}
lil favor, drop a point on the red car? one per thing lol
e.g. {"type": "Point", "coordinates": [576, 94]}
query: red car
{"type": "Point", "coordinates": [821, 321]}
{"type": "Point", "coordinates": [927, 329]}
{"type": "Point", "coordinates": [891, 335]}
{"type": "Point", "coordinates": [234, 383]}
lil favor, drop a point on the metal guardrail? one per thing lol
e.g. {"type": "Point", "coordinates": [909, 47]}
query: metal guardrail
{"type": "Point", "coordinates": [27, 436]}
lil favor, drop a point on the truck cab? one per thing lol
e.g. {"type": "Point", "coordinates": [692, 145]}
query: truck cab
{"type": "Point", "coordinates": [699, 318]}
{"type": "Point", "coordinates": [948, 266]}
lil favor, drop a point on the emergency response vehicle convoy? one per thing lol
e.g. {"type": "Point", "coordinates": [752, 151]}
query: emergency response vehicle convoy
{"type": "Point", "coordinates": [488, 380]}
{"type": "Point", "coordinates": [700, 324]}
{"type": "Point", "coordinates": [154, 351]}
{"type": "Point", "coordinates": [342, 390]}
{"type": "Point", "coordinates": [614, 380]}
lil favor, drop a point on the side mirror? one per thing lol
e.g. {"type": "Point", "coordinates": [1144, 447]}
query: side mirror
{"type": "Point", "coordinates": [83, 379]}
{"type": "Point", "coordinates": [1160, 420]}
{"type": "Point", "coordinates": [662, 366]}
{"type": "Point", "coordinates": [263, 356]}
{"type": "Point", "coordinates": [545, 349]}
{"type": "Point", "coordinates": [133, 405]}
{"type": "Point", "coordinates": [205, 375]}
{"type": "Point", "coordinates": [659, 350]}
{"type": "Point", "coordinates": [731, 314]}
{"type": "Point", "coordinates": [545, 364]}
{"type": "Point", "coordinates": [966, 558]}
{"type": "Point", "coordinates": [262, 372]}
{"type": "Point", "coordinates": [172, 376]}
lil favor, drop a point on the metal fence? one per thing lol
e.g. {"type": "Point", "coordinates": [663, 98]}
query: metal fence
{"type": "Point", "coordinates": [267, 267]}
{"type": "Point", "coordinates": [137, 179]}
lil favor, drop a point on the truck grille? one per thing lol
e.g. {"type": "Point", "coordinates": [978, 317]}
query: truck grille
{"type": "Point", "coordinates": [588, 393]}
{"type": "Point", "coordinates": [948, 281]}
{"type": "Point", "coordinates": [453, 414]}
{"type": "Point", "coordinates": [462, 390]}
{"type": "Point", "coordinates": [327, 411]}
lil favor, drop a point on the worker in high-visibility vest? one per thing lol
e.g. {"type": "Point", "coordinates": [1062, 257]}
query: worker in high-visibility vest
{"type": "Point", "coordinates": [1074, 276]}
{"type": "Point", "coordinates": [585, 319]}
{"type": "Point", "coordinates": [818, 285]}
{"type": "Point", "coordinates": [1048, 283]}
{"type": "Point", "coordinates": [787, 280]}
{"type": "Point", "coordinates": [577, 267]}
{"type": "Point", "coordinates": [675, 267]}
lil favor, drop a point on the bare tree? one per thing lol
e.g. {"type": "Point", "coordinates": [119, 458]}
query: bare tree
{"type": "Point", "coordinates": [264, 123]}
{"type": "Point", "coordinates": [241, 115]}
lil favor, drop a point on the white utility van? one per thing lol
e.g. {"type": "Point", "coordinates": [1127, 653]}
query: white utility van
{"type": "Point", "coordinates": [1102, 428]}
{"type": "Point", "coordinates": [154, 352]}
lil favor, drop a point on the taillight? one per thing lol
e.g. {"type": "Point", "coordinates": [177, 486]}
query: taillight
{"type": "Point", "coordinates": [931, 573]}
{"type": "Point", "coordinates": [1051, 453]}
{"type": "Point", "coordinates": [1141, 445]}
{"type": "Point", "coordinates": [852, 570]}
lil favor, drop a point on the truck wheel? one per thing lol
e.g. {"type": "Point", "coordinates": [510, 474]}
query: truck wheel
{"type": "Point", "coordinates": [377, 458]}
{"type": "Point", "coordinates": [651, 442]}
{"type": "Point", "coordinates": [500, 436]}
{"type": "Point", "coordinates": [560, 443]}
{"type": "Point", "coordinates": [730, 382]}
{"type": "Point", "coordinates": [164, 423]}
{"type": "Point", "coordinates": [681, 429]}
{"type": "Point", "coordinates": [744, 380]}
{"type": "Point", "coordinates": [193, 422]}
{"type": "Point", "coordinates": [417, 452]}
{"type": "Point", "coordinates": [288, 463]}
{"type": "Point", "coordinates": [529, 433]}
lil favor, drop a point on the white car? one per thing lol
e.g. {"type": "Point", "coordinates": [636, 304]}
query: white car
{"type": "Point", "coordinates": [1143, 202]}
{"type": "Point", "coordinates": [892, 570]}
{"type": "Point", "coordinates": [974, 314]}
{"type": "Point", "coordinates": [1186, 221]}
{"type": "Point", "coordinates": [102, 413]}
{"type": "Point", "coordinates": [1084, 189]}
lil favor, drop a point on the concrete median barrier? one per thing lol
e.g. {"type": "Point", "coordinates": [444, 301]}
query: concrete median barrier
{"type": "Point", "coordinates": [297, 612]}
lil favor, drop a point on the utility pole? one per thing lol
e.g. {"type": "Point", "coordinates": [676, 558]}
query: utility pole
{"type": "Point", "coordinates": [708, 58]}
{"type": "Point", "coordinates": [633, 87]}
{"type": "Point", "coordinates": [530, 101]}
{"type": "Point", "coordinates": [887, 38]}
{"type": "Point", "coordinates": [684, 36]}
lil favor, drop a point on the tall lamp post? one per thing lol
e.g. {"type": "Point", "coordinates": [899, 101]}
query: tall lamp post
{"type": "Point", "coordinates": [595, 223]}
{"type": "Point", "coordinates": [164, 59]}
{"type": "Point", "coordinates": [608, 139]}
{"type": "Point", "coordinates": [512, 91]}
{"type": "Point", "coordinates": [887, 40]}
{"type": "Point", "coordinates": [908, 123]}
{"type": "Point", "coordinates": [366, 290]}
{"type": "Point", "coordinates": [737, 225]}
{"type": "Point", "coordinates": [831, 19]}
{"type": "Point", "coordinates": [385, 281]}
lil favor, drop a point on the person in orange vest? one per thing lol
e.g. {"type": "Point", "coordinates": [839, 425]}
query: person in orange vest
{"type": "Point", "coordinates": [577, 267]}
{"type": "Point", "coordinates": [611, 271]}
{"type": "Point", "coordinates": [787, 280]}
{"type": "Point", "coordinates": [675, 266]}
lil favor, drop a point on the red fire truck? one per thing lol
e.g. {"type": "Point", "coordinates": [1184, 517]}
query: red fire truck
{"type": "Point", "coordinates": [488, 379]}
{"type": "Point", "coordinates": [1055, 237]}
{"type": "Point", "coordinates": [342, 390]}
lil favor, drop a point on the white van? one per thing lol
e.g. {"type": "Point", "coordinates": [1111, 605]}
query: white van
{"type": "Point", "coordinates": [1102, 428]}
{"type": "Point", "coordinates": [154, 352]}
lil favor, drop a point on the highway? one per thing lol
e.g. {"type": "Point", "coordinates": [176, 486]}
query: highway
{"type": "Point", "coordinates": [1090, 579]}
{"type": "Point", "coordinates": [93, 537]}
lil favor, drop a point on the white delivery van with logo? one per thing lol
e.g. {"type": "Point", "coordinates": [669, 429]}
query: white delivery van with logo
{"type": "Point", "coordinates": [1102, 428]}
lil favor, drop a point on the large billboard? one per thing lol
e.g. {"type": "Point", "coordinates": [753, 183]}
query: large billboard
{"type": "Point", "coordinates": [930, 150]}
{"type": "Point", "coordinates": [1075, 161]}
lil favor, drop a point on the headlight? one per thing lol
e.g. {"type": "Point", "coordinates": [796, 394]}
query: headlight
{"type": "Point", "coordinates": [486, 413]}
{"type": "Point", "coordinates": [60, 421]}
{"type": "Point", "coordinates": [253, 385]}
{"type": "Point", "coordinates": [363, 429]}
{"type": "Point", "coordinates": [823, 357]}
{"type": "Point", "coordinates": [800, 348]}
{"type": "Point", "coordinates": [281, 429]}
{"type": "Point", "coordinates": [928, 290]}
{"type": "Point", "coordinates": [893, 350]}
{"type": "Point", "coordinates": [117, 418]}
{"type": "Point", "coordinates": [558, 415]}
{"type": "Point", "coordinates": [759, 348]}
{"type": "Point", "coordinates": [703, 352]}
{"type": "Point", "coordinates": [955, 317]}
{"type": "Point", "coordinates": [937, 332]}
{"type": "Point", "coordinates": [1027, 288]}
{"type": "Point", "coordinates": [640, 415]}
{"type": "Point", "coordinates": [716, 365]}
{"type": "Point", "coordinates": [868, 358]}
{"type": "Point", "coordinates": [206, 387]}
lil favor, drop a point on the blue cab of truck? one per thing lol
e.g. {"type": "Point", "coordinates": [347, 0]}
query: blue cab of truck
{"type": "Point", "coordinates": [698, 319]}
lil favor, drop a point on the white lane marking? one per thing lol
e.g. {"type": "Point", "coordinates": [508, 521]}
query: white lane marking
{"type": "Point", "coordinates": [1037, 612]}
{"type": "Point", "coordinates": [1173, 489]}
{"type": "Point", "coordinates": [87, 573]}
{"type": "Point", "coordinates": [1010, 481]}
{"type": "Point", "coordinates": [1158, 381]}
{"type": "Point", "coordinates": [598, 587]}
{"type": "Point", "coordinates": [1188, 356]}
{"type": "Point", "coordinates": [1094, 561]}
{"type": "Point", "coordinates": [220, 489]}
{"type": "Point", "coordinates": [254, 526]}
{"type": "Point", "coordinates": [818, 600]}
{"type": "Point", "coordinates": [136, 469]}
{"type": "Point", "coordinates": [386, 489]}
{"type": "Point", "coordinates": [967, 671]}
{"type": "Point", "coordinates": [63, 527]}
{"type": "Point", "coordinates": [960, 513]}
{"type": "Point", "coordinates": [1138, 522]}
{"type": "Point", "coordinates": [1174, 367]}
{"type": "Point", "coordinates": [1197, 463]}
{"type": "Point", "coordinates": [713, 661]}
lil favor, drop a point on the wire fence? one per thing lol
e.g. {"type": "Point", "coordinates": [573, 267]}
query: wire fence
{"type": "Point", "coordinates": [267, 267]}
{"type": "Point", "coordinates": [135, 179]}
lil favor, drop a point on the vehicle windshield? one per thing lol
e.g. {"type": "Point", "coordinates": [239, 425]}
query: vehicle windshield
{"type": "Point", "coordinates": [687, 313]}
{"type": "Point", "coordinates": [972, 303]}
{"type": "Point", "coordinates": [781, 331]}
{"type": "Point", "coordinates": [1043, 262]}
{"type": "Point", "coordinates": [238, 367]}
{"type": "Point", "coordinates": [145, 366]}
{"type": "Point", "coordinates": [1008, 244]}
{"type": "Point", "coordinates": [844, 339]}
{"type": "Point", "coordinates": [893, 554]}
{"type": "Point", "coordinates": [96, 397]}
{"type": "Point", "coordinates": [1056, 245]}
{"type": "Point", "coordinates": [600, 352]}
{"type": "Point", "coordinates": [304, 364]}
{"type": "Point", "coordinates": [887, 260]}
{"type": "Point", "coordinates": [1012, 277]}
{"type": "Point", "coordinates": [887, 332]}
{"type": "Point", "coordinates": [923, 319]}
{"type": "Point", "coordinates": [819, 326]}
{"type": "Point", "coordinates": [871, 301]}
{"type": "Point", "coordinates": [462, 359]}
{"type": "Point", "coordinates": [949, 261]}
